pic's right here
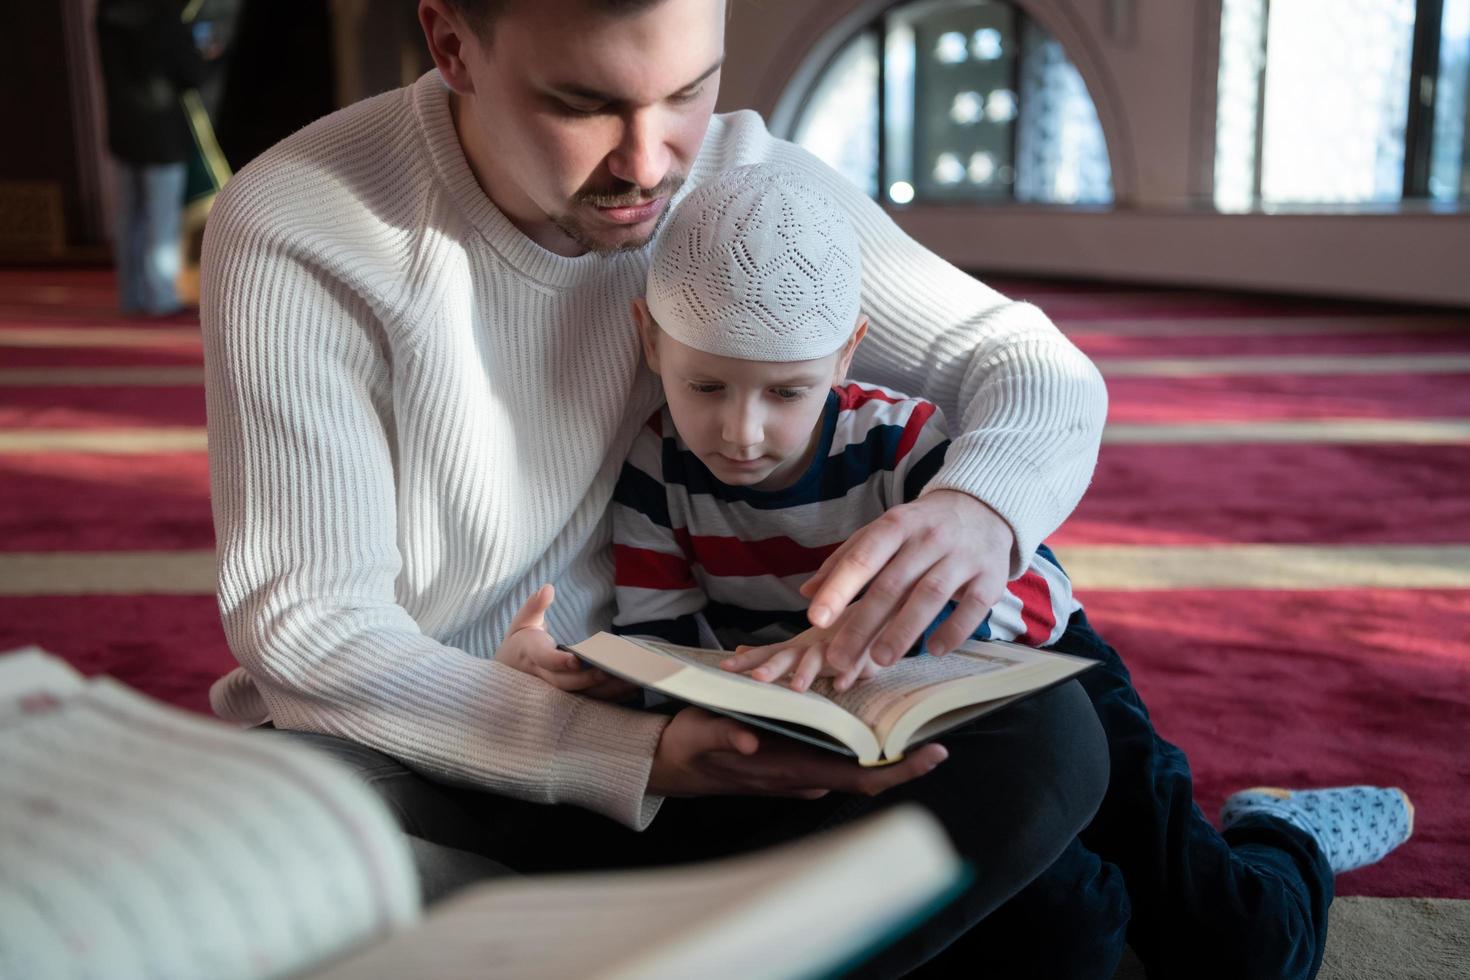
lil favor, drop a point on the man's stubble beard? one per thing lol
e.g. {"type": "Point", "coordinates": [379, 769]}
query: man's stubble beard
{"type": "Point", "coordinates": [567, 224]}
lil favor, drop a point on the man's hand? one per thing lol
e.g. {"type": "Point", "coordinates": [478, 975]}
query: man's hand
{"type": "Point", "coordinates": [700, 754]}
{"type": "Point", "coordinates": [914, 559]}
{"type": "Point", "coordinates": [529, 648]}
{"type": "Point", "coordinates": [802, 657]}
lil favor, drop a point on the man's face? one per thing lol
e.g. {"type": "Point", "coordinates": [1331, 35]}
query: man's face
{"type": "Point", "coordinates": [751, 422]}
{"type": "Point", "coordinates": [581, 125]}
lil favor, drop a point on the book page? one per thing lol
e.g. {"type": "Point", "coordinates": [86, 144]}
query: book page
{"type": "Point", "coordinates": [711, 659]}
{"type": "Point", "coordinates": [176, 846]}
{"type": "Point", "coordinates": [801, 910]}
{"type": "Point", "coordinates": [885, 695]}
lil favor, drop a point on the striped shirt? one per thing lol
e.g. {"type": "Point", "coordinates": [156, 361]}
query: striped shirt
{"type": "Point", "coordinates": [689, 547]}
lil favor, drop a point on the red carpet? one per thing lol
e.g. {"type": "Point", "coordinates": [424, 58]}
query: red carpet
{"type": "Point", "coordinates": [1285, 687]}
{"type": "Point", "coordinates": [1315, 689]}
{"type": "Point", "coordinates": [101, 502]}
{"type": "Point", "coordinates": [100, 407]}
{"type": "Point", "coordinates": [1287, 494]}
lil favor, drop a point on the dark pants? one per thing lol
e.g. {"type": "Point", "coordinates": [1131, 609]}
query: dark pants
{"type": "Point", "coordinates": [1017, 787]}
{"type": "Point", "coordinates": [1249, 903]}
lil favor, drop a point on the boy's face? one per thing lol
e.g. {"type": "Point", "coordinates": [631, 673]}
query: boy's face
{"type": "Point", "coordinates": [752, 423]}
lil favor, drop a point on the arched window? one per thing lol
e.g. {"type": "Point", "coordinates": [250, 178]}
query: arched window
{"type": "Point", "coordinates": [1342, 102]}
{"type": "Point", "coordinates": [957, 100]}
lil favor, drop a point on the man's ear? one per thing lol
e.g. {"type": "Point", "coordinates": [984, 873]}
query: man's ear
{"type": "Point", "coordinates": [850, 348]}
{"type": "Point", "coordinates": [446, 34]}
{"type": "Point", "coordinates": [647, 332]}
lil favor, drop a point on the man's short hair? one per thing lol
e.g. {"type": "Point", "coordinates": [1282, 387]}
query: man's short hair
{"type": "Point", "coordinates": [482, 14]}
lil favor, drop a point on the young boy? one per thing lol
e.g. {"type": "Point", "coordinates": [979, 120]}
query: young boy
{"type": "Point", "coordinates": [764, 461]}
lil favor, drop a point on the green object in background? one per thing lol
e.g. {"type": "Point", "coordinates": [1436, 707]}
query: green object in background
{"type": "Point", "coordinates": [207, 168]}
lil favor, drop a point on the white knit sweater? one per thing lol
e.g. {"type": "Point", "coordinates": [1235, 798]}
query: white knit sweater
{"type": "Point", "coordinates": [417, 415]}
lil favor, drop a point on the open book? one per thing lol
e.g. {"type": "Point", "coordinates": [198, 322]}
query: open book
{"type": "Point", "coordinates": [138, 840]}
{"type": "Point", "coordinates": [876, 720]}
{"type": "Point", "coordinates": [805, 909]}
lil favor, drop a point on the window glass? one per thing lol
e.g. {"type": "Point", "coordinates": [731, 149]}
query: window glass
{"type": "Point", "coordinates": [1449, 178]}
{"type": "Point", "coordinates": [978, 104]}
{"type": "Point", "coordinates": [1313, 101]}
{"type": "Point", "coordinates": [1237, 109]}
{"type": "Point", "coordinates": [840, 121]}
{"type": "Point", "coordinates": [1337, 89]}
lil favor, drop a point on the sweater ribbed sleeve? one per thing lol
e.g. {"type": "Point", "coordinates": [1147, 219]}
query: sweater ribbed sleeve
{"type": "Point", "coordinates": [301, 434]}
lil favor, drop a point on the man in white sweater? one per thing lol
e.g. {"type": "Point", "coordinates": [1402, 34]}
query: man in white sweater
{"type": "Point", "coordinates": [422, 382]}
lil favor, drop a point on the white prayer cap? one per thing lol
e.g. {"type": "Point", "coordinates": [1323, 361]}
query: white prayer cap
{"type": "Point", "coordinates": [757, 263]}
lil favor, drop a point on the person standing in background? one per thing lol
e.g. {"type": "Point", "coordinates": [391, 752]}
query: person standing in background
{"type": "Point", "coordinates": [148, 59]}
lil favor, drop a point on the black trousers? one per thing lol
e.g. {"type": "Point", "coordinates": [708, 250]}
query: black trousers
{"type": "Point", "coordinates": [1017, 787]}
{"type": "Point", "coordinates": [1152, 870]}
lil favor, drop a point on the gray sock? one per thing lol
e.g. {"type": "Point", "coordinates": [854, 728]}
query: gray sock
{"type": "Point", "coordinates": [1353, 825]}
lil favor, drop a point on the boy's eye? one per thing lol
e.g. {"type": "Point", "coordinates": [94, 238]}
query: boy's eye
{"type": "Point", "coordinates": [788, 394]}
{"type": "Point", "coordinates": [686, 96]}
{"type": "Point", "coordinates": [704, 388]}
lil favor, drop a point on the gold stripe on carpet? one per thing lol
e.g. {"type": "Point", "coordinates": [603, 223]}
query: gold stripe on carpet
{"type": "Point", "coordinates": [107, 573]}
{"type": "Point", "coordinates": [1415, 431]}
{"type": "Point", "coordinates": [120, 441]}
{"type": "Point", "coordinates": [112, 376]}
{"type": "Point", "coordinates": [1191, 367]}
{"type": "Point", "coordinates": [1266, 566]}
{"type": "Point", "coordinates": [1116, 567]}
{"type": "Point", "coordinates": [1260, 326]}
{"type": "Point", "coordinates": [153, 337]}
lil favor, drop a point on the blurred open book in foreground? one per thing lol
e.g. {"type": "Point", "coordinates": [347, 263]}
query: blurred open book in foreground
{"type": "Point", "coordinates": [137, 840]}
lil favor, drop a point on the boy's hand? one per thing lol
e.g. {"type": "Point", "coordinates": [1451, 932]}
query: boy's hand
{"type": "Point", "coordinates": [912, 560]}
{"type": "Point", "coordinates": [803, 657]}
{"type": "Point", "coordinates": [529, 648]}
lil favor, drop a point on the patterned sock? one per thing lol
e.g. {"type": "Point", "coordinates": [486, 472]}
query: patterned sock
{"type": "Point", "coordinates": [1353, 825]}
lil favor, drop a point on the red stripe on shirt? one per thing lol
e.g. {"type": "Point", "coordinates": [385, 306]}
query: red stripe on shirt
{"type": "Point", "coordinates": [770, 556]}
{"type": "Point", "coordinates": [1036, 611]}
{"type": "Point", "coordinates": [920, 415]}
{"type": "Point", "coordinates": [641, 568]}
{"type": "Point", "coordinates": [851, 396]}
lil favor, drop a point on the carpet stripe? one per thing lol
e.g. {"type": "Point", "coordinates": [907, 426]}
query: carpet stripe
{"type": "Point", "coordinates": [102, 407]}
{"type": "Point", "coordinates": [1283, 397]}
{"type": "Point", "coordinates": [1110, 567]}
{"type": "Point", "coordinates": [111, 376]}
{"type": "Point", "coordinates": [1267, 566]}
{"type": "Point", "coordinates": [116, 572]}
{"type": "Point", "coordinates": [162, 338]}
{"type": "Point", "coordinates": [1248, 326]}
{"type": "Point", "coordinates": [167, 440]}
{"type": "Point", "coordinates": [1417, 431]}
{"type": "Point", "coordinates": [68, 357]}
{"type": "Point", "coordinates": [1207, 344]}
{"type": "Point", "coordinates": [1189, 367]}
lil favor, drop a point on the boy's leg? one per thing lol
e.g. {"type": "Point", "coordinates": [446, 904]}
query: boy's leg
{"type": "Point", "coordinates": [1250, 902]}
{"type": "Point", "coordinates": [1071, 923]}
